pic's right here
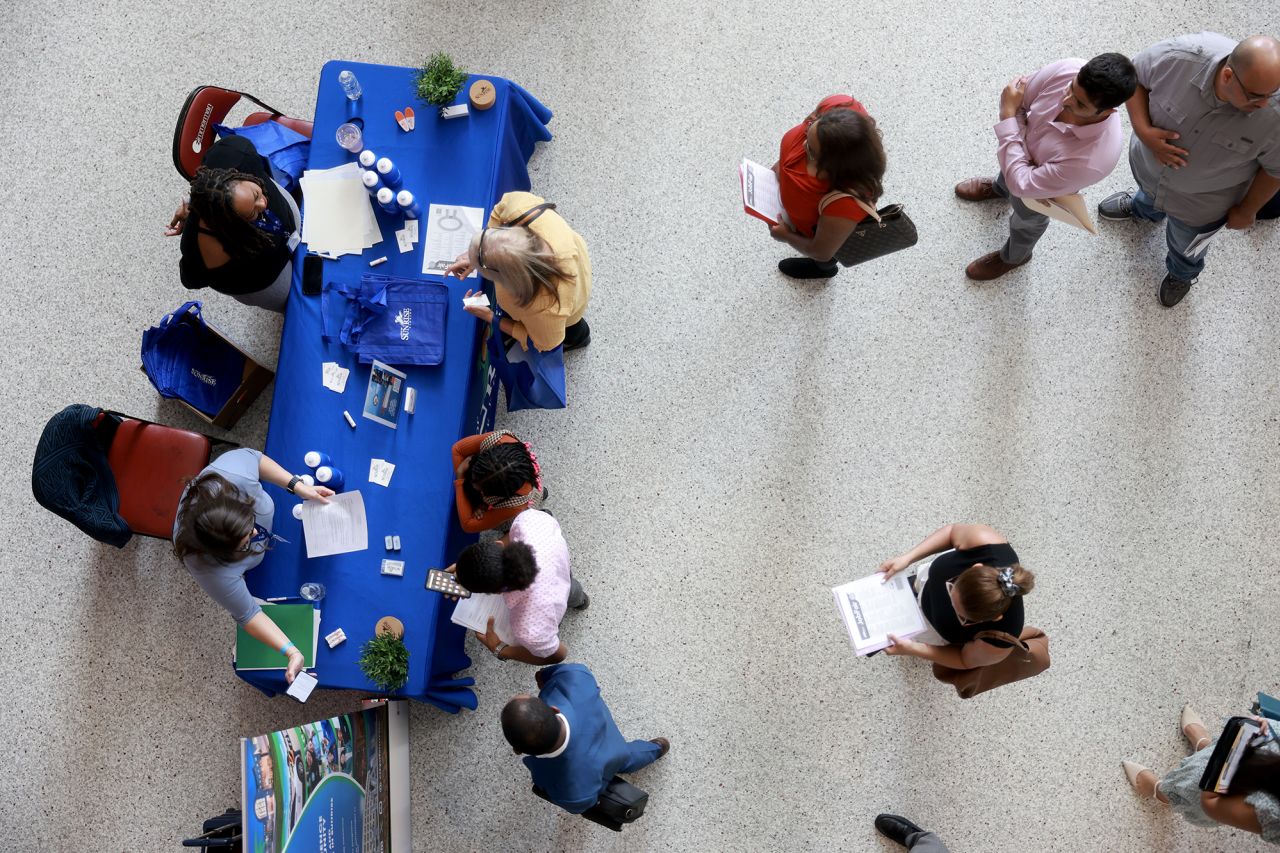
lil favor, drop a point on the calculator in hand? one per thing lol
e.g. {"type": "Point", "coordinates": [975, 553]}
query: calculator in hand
{"type": "Point", "coordinates": [444, 582]}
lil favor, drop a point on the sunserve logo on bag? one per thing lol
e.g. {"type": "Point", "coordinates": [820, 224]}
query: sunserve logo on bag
{"type": "Point", "coordinates": [204, 377]}
{"type": "Point", "coordinates": [204, 123]}
{"type": "Point", "coordinates": [404, 319]}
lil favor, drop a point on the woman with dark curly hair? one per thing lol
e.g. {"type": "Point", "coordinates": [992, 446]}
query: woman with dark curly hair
{"type": "Point", "coordinates": [837, 148]}
{"type": "Point", "coordinates": [239, 228]}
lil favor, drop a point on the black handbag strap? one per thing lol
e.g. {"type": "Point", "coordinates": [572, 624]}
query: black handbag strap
{"type": "Point", "coordinates": [530, 214]}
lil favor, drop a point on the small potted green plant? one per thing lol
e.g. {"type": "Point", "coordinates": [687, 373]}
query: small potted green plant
{"type": "Point", "coordinates": [439, 80]}
{"type": "Point", "coordinates": [385, 660]}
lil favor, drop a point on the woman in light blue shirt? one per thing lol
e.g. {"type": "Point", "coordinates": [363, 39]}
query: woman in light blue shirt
{"type": "Point", "coordinates": [223, 529]}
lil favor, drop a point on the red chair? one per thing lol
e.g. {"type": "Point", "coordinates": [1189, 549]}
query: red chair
{"type": "Point", "coordinates": [207, 106]}
{"type": "Point", "coordinates": [152, 465]}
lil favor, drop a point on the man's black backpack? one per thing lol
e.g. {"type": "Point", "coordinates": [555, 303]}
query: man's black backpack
{"type": "Point", "coordinates": [620, 803]}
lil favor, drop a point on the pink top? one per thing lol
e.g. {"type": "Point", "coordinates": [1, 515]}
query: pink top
{"type": "Point", "coordinates": [1043, 158]}
{"type": "Point", "coordinates": [536, 612]}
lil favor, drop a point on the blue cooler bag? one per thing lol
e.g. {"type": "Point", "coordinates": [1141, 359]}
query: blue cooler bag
{"type": "Point", "coordinates": [392, 320]}
{"type": "Point", "coordinates": [185, 359]}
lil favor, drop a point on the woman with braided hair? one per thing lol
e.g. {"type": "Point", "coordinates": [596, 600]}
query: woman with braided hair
{"type": "Point", "coordinates": [239, 228]}
{"type": "Point", "coordinates": [498, 477]}
{"type": "Point", "coordinates": [975, 587]}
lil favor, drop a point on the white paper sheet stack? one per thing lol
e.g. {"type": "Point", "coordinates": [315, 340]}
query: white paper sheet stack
{"type": "Point", "coordinates": [339, 216]}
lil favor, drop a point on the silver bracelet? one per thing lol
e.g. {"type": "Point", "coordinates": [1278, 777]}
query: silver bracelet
{"type": "Point", "coordinates": [497, 650]}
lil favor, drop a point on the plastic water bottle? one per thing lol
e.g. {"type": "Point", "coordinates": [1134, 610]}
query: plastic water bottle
{"type": "Point", "coordinates": [327, 475]}
{"type": "Point", "coordinates": [408, 206]}
{"type": "Point", "coordinates": [312, 591]}
{"type": "Point", "coordinates": [350, 85]}
{"type": "Point", "coordinates": [387, 200]}
{"type": "Point", "coordinates": [390, 172]}
{"type": "Point", "coordinates": [367, 159]}
{"type": "Point", "coordinates": [316, 458]}
{"type": "Point", "coordinates": [371, 181]}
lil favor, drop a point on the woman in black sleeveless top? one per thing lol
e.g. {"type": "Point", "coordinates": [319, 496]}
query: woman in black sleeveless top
{"type": "Point", "coordinates": [976, 587]}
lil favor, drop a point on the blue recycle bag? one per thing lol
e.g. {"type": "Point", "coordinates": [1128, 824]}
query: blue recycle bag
{"type": "Point", "coordinates": [393, 320]}
{"type": "Point", "coordinates": [532, 379]}
{"type": "Point", "coordinates": [187, 360]}
{"type": "Point", "coordinates": [286, 150]}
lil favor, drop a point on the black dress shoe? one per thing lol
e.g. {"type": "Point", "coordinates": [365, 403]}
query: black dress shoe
{"type": "Point", "coordinates": [577, 336]}
{"type": "Point", "coordinates": [586, 602]}
{"type": "Point", "coordinates": [808, 268]}
{"type": "Point", "coordinates": [896, 828]}
{"type": "Point", "coordinates": [1172, 290]}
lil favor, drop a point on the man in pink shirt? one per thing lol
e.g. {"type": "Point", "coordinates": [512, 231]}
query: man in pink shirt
{"type": "Point", "coordinates": [1058, 133]}
{"type": "Point", "coordinates": [530, 568]}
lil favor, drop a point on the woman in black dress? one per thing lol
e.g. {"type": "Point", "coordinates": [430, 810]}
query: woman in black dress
{"type": "Point", "coordinates": [239, 228]}
{"type": "Point", "coordinates": [976, 586]}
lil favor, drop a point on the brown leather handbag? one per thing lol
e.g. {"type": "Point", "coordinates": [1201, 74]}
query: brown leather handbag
{"type": "Point", "coordinates": [1029, 657]}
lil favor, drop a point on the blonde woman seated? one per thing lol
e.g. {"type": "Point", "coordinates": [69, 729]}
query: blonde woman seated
{"type": "Point", "coordinates": [1252, 803]}
{"type": "Point", "coordinates": [540, 272]}
{"type": "Point", "coordinates": [978, 586]}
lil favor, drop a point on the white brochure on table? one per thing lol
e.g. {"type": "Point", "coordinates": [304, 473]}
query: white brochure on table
{"type": "Point", "coordinates": [450, 228]}
{"type": "Point", "coordinates": [337, 527]}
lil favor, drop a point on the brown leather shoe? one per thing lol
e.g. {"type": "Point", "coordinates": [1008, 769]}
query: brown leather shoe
{"type": "Point", "coordinates": [989, 267]}
{"type": "Point", "coordinates": [977, 189]}
{"type": "Point", "coordinates": [663, 744]}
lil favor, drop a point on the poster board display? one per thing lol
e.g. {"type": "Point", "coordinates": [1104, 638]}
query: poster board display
{"type": "Point", "coordinates": [329, 786]}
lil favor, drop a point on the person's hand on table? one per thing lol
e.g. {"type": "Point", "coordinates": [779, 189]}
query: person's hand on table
{"type": "Point", "coordinates": [179, 220]}
{"type": "Point", "coordinates": [485, 314]}
{"type": "Point", "coordinates": [892, 566]}
{"type": "Point", "coordinates": [313, 493]}
{"type": "Point", "coordinates": [461, 267]}
{"type": "Point", "coordinates": [490, 637]}
{"type": "Point", "coordinates": [296, 661]}
{"type": "Point", "coordinates": [902, 647]}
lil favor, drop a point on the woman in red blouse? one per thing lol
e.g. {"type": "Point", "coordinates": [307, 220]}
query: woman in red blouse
{"type": "Point", "coordinates": [836, 148]}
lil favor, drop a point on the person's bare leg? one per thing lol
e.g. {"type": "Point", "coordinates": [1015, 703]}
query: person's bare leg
{"type": "Point", "coordinates": [1147, 786]}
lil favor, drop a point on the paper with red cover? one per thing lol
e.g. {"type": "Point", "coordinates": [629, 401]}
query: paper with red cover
{"type": "Point", "coordinates": [760, 195]}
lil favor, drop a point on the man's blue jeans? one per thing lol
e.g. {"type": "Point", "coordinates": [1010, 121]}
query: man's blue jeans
{"type": "Point", "coordinates": [1178, 235]}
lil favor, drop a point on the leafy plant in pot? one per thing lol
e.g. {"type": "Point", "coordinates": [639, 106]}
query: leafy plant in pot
{"type": "Point", "coordinates": [385, 660]}
{"type": "Point", "coordinates": [439, 80]}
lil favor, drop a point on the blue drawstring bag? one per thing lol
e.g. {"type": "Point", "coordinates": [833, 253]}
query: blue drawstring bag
{"type": "Point", "coordinates": [185, 359]}
{"type": "Point", "coordinates": [392, 320]}
{"type": "Point", "coordinates": [531, 379]}
{"type": "Point", "coordinates": [286, 150]}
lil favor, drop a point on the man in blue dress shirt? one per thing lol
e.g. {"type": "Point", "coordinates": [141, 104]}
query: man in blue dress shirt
{"type": "Point", "coordinates": [571, 744]}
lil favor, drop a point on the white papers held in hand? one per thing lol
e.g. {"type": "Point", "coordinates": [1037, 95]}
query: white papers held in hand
{"type": "Point", "coordinates": [337, 527]}
{"type": "Point", "coordinates": [873, 608]}
{"type": "Point", "coordinates": [303, 683]}
{"type": "Point", "coordinates": [760, 194]}
{"type": "Point", "coordinates": [1070, 209]}
{"type": "Point", "coordinates": [474, 613]}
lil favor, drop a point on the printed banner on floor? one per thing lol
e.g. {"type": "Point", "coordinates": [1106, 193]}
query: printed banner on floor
{"type": "Point", "coordinates": [321, 787]}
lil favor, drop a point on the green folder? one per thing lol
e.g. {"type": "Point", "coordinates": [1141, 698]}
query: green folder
{"type": "Point", "coordinates": [300, 623]}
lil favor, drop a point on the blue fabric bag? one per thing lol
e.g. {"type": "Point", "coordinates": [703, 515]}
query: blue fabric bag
{"type": "Point", "coordinates": [532, 379]}
{"type": "Point", "coordinates": [393, 320]}
{"type": "Point", "coordinates": [185, 359]}
{"type": "Point", "coordinates": [286, 150]}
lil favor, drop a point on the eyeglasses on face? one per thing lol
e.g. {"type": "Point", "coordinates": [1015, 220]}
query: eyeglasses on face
{"type": "Point", "coordinates": [1249, 96]}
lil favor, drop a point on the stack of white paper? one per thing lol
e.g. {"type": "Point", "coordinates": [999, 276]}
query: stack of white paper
{"type": "Point", "coordinates": [474, 613]}
{"type": "Point", "coordinates": [873, 608]}
{"type": "Point", "coordinates": [339, 217]}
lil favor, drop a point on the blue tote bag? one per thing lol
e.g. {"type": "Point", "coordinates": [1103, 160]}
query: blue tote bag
{"type": "Point", "coordinates": [185, 359]}
{"type": "Point", "coordinates": [532, 379]}
{"type": "Point", "coordinates": [393, 320]}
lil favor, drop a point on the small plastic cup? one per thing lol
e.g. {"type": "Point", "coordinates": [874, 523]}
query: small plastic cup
{"type": "Point", "coordinates": [350, 137]}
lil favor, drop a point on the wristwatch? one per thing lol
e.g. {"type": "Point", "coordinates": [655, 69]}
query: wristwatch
{"type": "Point", "coordinates": [497, 650]}
{"type": "Point", "coordinates": [293, 481]}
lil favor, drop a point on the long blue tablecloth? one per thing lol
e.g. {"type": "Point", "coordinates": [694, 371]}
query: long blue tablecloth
{"type": "Point", "coordinates": [467, 161]}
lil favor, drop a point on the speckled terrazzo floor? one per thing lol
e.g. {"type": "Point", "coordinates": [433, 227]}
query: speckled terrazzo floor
{"type": "Point", "coordinates": [737, 443]}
